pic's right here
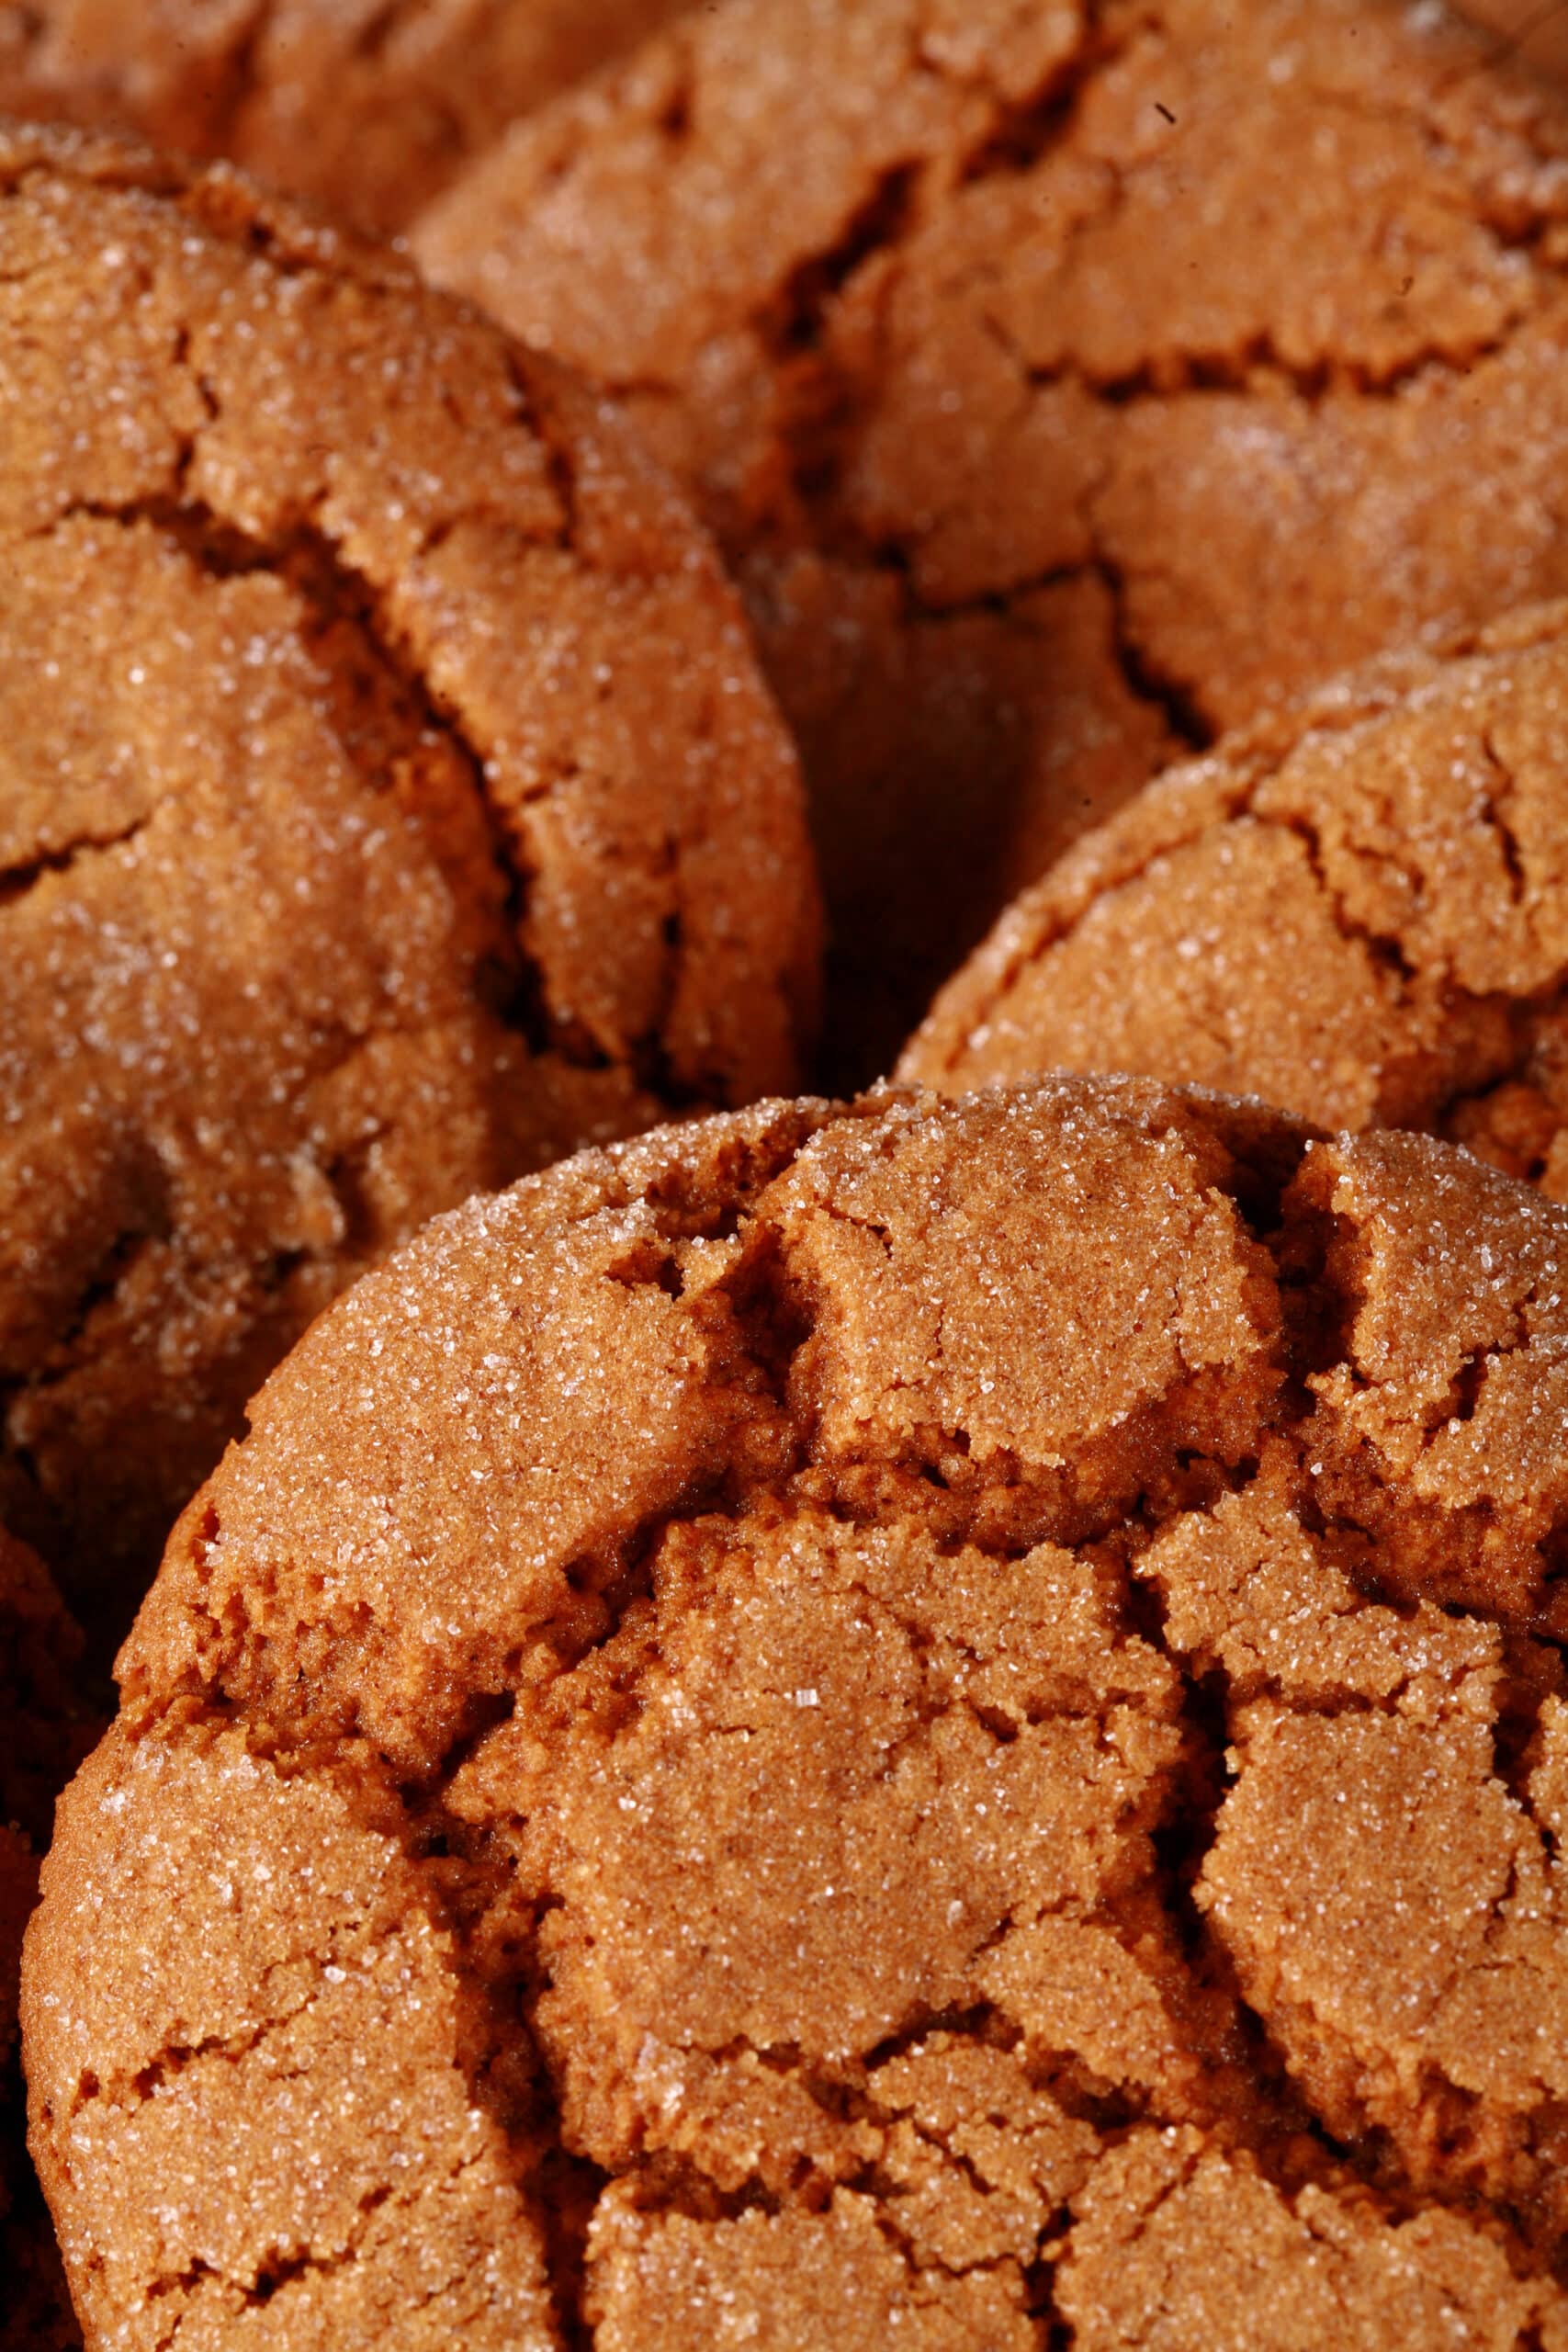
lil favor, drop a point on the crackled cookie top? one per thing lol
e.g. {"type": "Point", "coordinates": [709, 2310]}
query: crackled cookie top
{"type": "Point", "coordinates": [388, 803]}
{"type": "Point", "coordinates": [934, 1723]}
{"type": "Point", "coordinates": [369, 110]}
{"type": "Point", "coordinates": [1068, 381]}
{"type": "Point", "coordinates": [1356, 909]}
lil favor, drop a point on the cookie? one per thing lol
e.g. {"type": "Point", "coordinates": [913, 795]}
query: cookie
{"type": "Point", "coordinates": [46, 1727]}
{"type": "Point", "coordinates": [389, 804]}
{"type": "Point", "coordinates": [1357, 909]}
{"type": "Point", "coordinates": [368, 110]}
{"type": "Point", "coordinates": [1067, 384]}
{"type": "Point", "coordinates": [1524, 29]}
{"type": "Point", "coordinates": [940, 1724]}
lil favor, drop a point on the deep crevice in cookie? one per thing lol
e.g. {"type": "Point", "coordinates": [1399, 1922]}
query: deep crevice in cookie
{"type": "Point", "coordinates": [1493, 815]}
{"type": "Point", "coordinates": [795, 318]}
{"type": "Point", "coordinates": [1534, 1671]}
{"type": "Point", "coordinates": [1401, 1553]}
{"type": "Point", "coordinates": [567, 2189]}
{"type": "Point", "coordinates": [1022, 131]}
{"type": "Point", "coordinates": [1385, 947]}
{"type": "Point", "coordinates": [1182, 1840]}
{"type": "Point", "coordinates": [145, 1223]}
{"type": "Point", "coordinates": [389, 719]}
{"type": "Point", "coordinates": [1489, 1080]}
{"type": "Point", "coordinates": [341, 599]}
{"type": "Point", "coordinates": [1185, 716]}
{"type": "Point", "coordinates": [1234, 2046]}
{"type": "Point", "coordinates": [374, 37]}
{"type": "Point", "coordinates": [1021, 136]}
{"type": "Point", "coordinates": [248, 216]}
{"type": "Point", "coordinates": [17, 880]}
{"type": "Point", "coordinates": [1319, 1275]}
{"type": "Point", "coordinates": [978, 2021]}
{"type": "Point", "coordinates": [533, 408]}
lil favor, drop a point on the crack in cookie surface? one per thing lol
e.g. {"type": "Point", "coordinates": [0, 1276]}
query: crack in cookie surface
{"type": "Point", "coordinates": [932, 305]}
{"type": "Point", "coordinates": [1394, 838]}
{"type": "Point", "coordinates": [395, 851]}
{"type": "Point", "coordinates": [367, 109]}
{"type": "Point", "coordinates": [790, 1633]}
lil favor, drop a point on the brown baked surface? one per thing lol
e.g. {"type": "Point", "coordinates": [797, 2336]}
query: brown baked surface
{"type": "Point", "coordinates": [389, 804]}
{"type": "Point", "coordinates": [927, 1724]}
{"type": "Point", "coordinates": [46, 1727]}
{"type": "Point", "coordinates": [368, 109]}
{"type": "Point", "coordinates": [1535, 31]}
{"type": "Point", "coordinates": [1356, 909]}
{"type": "Point", "coordinates": [1066, 383]}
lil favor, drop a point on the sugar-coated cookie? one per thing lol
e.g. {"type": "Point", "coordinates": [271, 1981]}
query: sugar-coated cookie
{"type": "Point", "coordinates": [368, 109]}
{"type": "Point", "coordinates": [389, 804]}
{"type": "Point", "coordinates": [929, 1724]}
{"type": "Point", "coordinates": [1066, 383]}
{"type": "Point", "coordinates": [1356, 909]}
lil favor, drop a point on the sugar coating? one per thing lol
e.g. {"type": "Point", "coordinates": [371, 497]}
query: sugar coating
{"type": "Point", "coordinates": [389, 804]}
{"type": "Point", "coordinates": [928, 1723]}
{"type": "Point", "coordinates": [1356, 909]}
{"type": "Point", "coordinates": [367, 109]}
{"type": "Point", "coordinates": [1066, 383]}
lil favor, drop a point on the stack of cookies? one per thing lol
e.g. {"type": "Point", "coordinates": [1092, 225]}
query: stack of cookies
{"type": "Point", "coordinates": [688, 1716]}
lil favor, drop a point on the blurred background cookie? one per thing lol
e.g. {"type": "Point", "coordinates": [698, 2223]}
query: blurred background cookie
{"type": "Point", "coordinates": [1535, 31]}
{"type": "Point", "coordinates": [388, 803]}
{"type": "Point", "coordinates": [367, 109]}
{"type": "Point", "coordinates": [1065, 384]}
{"type": "Point", "coordinates": [925, 1724]}
{"type": "Point", "coordinates": [1357, 908]}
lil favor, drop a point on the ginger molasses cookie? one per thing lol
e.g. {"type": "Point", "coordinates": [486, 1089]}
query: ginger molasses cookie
{"type": "Point", "coordinates": [932, 1724]}
{"type": "Point", "coordinates": [1067, 382]}
{"type": "Point", "coordinates": [1535, 31]}
{"type": "Point", "coordinates": [1356, 909]}
{"type": "Point", "coordinates": [389, 804]}
{"type": "Point", "coordinates": [368, 109]}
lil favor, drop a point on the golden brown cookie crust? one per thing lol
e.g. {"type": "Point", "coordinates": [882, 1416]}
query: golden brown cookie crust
{"type": "Point", "coordinates": [728, 1761]}
{"type": "Point", "coordinates": [1037, 465]}
{"type": "Point", "coordinates": [367, 109]}
{"type": "Point", "coordinates": [1356, 909]}
{"type": "Point", "coordinates": [388, 803]}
